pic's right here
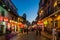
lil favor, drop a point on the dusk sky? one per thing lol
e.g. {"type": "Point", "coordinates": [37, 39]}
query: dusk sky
{"type": "Point", "coordinates": [30, 7]}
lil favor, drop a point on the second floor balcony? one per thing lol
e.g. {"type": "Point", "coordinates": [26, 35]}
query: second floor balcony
{"type": "Point", "coordinates": [9, 5]}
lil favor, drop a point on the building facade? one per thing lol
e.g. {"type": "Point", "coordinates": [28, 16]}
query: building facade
{"type": "Point", "coordinates": [49, 13]}
{"type": "Point", "coordinates": [8, 16]}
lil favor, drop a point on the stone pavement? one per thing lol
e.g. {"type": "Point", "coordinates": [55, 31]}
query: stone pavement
{"type": "Point", "coordinates": [2, 37]}
{"type": "Point", "coordinates": [47, 35]}
{"type": "Point", "coordinates": [30, 36]}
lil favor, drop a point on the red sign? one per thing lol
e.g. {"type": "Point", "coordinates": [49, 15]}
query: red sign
{"type": "Point", "coordinates": [39, 22]}
{"type": "Point", "coordinates": [1, 18]}
{"type": "Point", "coordinates": [5, 19]}
{"type": "Point", "coordinates": [21, 25]}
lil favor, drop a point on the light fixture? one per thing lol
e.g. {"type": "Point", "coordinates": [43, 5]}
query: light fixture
{"type": "Point", "coordinates": [55, 4]}
{"type": "Point", "coordinates": [41, 11]}
{"type": "Point", "coordinates": [8, 9]}
{"type": "Point", "coordinates": [3, 5]}
{"type": "Point", "coordinates": [55, 14]}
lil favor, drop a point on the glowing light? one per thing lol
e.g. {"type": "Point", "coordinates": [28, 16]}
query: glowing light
{"type": "Point", "coordinates": [10, 20]}
{"type": "Point", "coordinates": [3, 5]}
{"type": "Point", "coordinates": [5, 19]}
{"type": "Point", "coordinates": [55, 14]}
{"type": "Point", "coordinates": [58, 18]}
{"type": "Point", "coordinates": [8, 25]}
{"type": "Point", "coordinates": [55, 4]}
{"type": "Point", "coordinates": [4, 23]}
{"type": "Point", "coordinates": [18, 18]}
{"type": "Point", "coordinates": [41, 11]}
{"type": "Point", "coordinates": [45, 22]}
{"type": "Point", "coordinates": [13, 23]}
{"type": "Point", "coordinates": [8, 9]}
{"type": "Point", "coordinates": [1, 18]}
{"type": "Point", "coordinates": [39, 22]}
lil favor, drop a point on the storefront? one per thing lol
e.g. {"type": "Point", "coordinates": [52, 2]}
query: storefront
{"type": "Point", "coordinates": [20, 27]}
{"type": "Point", "coordinates": [41, 25]}
{"type": "Point", "coordinates": [13, 25]}
{"type": "Point", "coordinates": [52, 21]}
{"type": "Point", "coordinates": [57, 21]}
{"type": "Point", "coordinates": [3, 20]}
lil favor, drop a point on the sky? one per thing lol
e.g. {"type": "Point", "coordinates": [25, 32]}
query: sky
{"type": "Point", "coordinates": [30, 7]}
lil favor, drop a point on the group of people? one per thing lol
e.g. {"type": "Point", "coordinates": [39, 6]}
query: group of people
{"type": "Point", "coordinates": [54, 32]}
{"type": "Point", "coordinates": [38, 31]}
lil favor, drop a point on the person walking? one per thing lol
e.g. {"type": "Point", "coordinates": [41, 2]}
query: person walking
{"type": "Point", "coordinates": [7, 36]}
{"type": "Point", "coordinates": [36, 32]}
{"type": "Point", "coordinates": [40, 31]}
{"type": "Point", "coordinates": [27, 31]}
{"type": "Point", "coordinates": [54, 33]}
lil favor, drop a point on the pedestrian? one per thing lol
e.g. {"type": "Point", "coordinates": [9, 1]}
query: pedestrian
{"type": "Point", "coordinates": [36, 32]}
{"type": "Point", "coordinates": [27, 31]}
{"type": "Point", "coordinates": [40, 31]}
{"type": "Point", "coordinates": [7, 37]}
{"type": "Point", "coordinates": [54, 33]}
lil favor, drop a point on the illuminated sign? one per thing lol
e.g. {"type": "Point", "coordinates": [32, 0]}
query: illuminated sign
{"type": "Point", "coordinates": [45, 22]}
{"type": "Point", "coordinates": [1, 18]}
{"type": "Point", "coordinates": [5, 19]}
{"type": "Point", "coordinates": [39, 22]}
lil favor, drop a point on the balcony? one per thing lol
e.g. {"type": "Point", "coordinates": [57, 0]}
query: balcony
{"type": "Point", "coordinates": [57, 7]}
{"type": "Point", "coordinates": [9, 5]}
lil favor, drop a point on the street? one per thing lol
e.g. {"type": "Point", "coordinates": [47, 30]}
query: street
{"type": "Point", "coordinates": [29, 20]}
{"type": "Point", "coordinates": [30, 36]}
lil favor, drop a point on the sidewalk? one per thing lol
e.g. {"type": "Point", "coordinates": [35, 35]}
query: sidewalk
{"type": "Point", "coordinates": [47, 35]}
{"type": "Point", "coordinates": [9, 36]}
{"type": "Point", "coordinates": [2, 37]}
